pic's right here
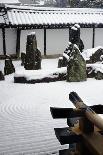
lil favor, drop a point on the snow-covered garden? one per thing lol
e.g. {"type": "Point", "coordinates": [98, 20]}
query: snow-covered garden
{"type": "Point", "coordinates": [26, 125]}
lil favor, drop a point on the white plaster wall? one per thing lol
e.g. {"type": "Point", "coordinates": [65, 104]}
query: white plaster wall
{"type": "Point", "coordinates": [56, 40]}
{"type": "Point", "coordinates": [10, 38]}
{"type": "Point", "coordinates": [1, 43]}
{"type": "Point", "coordinates": [39, 37]}
{"type": "Point", "coordinates": [86, 35]}
{"type": "Point", "coordinates": [98, 37]}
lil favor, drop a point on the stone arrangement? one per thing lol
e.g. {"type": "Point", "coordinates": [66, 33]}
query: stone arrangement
{"type": "Point", "coordinates": [32, 59]}
{"type": "Point", "coordinates": [9, 67]}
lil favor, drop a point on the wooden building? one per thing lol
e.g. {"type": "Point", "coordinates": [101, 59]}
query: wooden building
{"type": "Point", "coordinates": [51, 26]}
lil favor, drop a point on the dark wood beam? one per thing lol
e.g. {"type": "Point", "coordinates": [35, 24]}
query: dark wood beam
{"type": "Point", "coordinates": [18, 43]}
{"type": "Point", "coordinates": [4, 42]}
{"type": "Point", "coordinates": [44, 41]}
{"type": "Point", "coordinates": [93, 40]}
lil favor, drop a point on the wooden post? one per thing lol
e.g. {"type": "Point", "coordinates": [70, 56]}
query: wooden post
{"type": "Point", "coordinates": [93, 41]}
{"type": "Point", "coordinates": [4, 43]}
{"type": "Point", "coordinates": [45, 41]}
{"type": "Point", "coordinates": [18, 43]}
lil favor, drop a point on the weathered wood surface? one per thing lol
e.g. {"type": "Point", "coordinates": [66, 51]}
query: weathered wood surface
{"type": "Point", "coordinates": [89, 113]}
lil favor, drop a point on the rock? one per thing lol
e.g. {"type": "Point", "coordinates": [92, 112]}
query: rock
{"type": "Point", "coordinates": [1, 76]}
{"type": "Point", "coordinates": [9, 67]}
{"type": "Point", "coordinates": [60, 62]}
{"type": "Point", "coordinates": [33, 55]}
{"type": "Point", "coordinates": [74, 37]}
{"type": "Point", "coordinates": [76, 68]}
{"type": "Point", "coordinates": [98, 75]}
{"type": "Point", "coordinates": [23, 59]}
{"type": "Point", "coordinates": [90, 72]}
{"type": "Point", "coordinates": [95, 71]}
{"type": "Point", "coordinates": [37, 59]}
{"type": "Point", "coordinates": [93, 55]}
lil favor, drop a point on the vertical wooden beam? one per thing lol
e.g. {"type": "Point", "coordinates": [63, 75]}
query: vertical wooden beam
{"type": "Point", "coordinates": [4, 42]}
{"type": "Point", "coordinates": [18, 43]}
{"type": "Point", "coordinates": [44, 41]}
{"type": "Point", "coordinates": [93, 41]}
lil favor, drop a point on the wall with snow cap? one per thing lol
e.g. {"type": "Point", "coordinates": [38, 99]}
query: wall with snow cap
{"type": "Point", "coordinates": [86, 35]}
{"type": "Point", "coordinates": [98, 37]}
{"type": "Point", "coordinates": [56, 40]}
{"type": "Point", "coordinates": [10, 38]}
{"type": "Point", "coordinates": [1, 43]}
{"type": "Point", "coordinates": [39, 36]}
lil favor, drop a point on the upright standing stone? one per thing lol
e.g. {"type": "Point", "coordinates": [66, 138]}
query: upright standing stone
{"type": "Point", "coordinates": [33, 55]}
{"type": "Point", "coordinates": [74, 37]}
{"type": "Point", "coordinates": [9, 67]}
{"type": "Point", "coordinates": [76, 68]}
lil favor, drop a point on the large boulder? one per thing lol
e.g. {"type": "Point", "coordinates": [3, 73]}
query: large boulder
{"type": "Point", "coordinates": [76, 68]}
{"type": "Point", "coordinates": [33, 55]}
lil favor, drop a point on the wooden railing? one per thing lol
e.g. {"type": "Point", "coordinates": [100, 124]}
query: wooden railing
{"type": "Point", "coordinates": [85, 132]}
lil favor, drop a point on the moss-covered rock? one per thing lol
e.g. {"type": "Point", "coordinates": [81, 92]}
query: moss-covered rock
{"type": "Point", "coordinates": [76, 68]}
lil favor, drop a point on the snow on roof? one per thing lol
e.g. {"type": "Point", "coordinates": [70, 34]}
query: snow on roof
{"type": "Point", "coordinates": [32, 15]}
{"type": "Point", "coordinates": [9, 2]}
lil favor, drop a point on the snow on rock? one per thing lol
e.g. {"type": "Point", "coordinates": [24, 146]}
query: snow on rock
{"type": "Point", "coordinates": [96, 67]}
{"type": "Point", "coordinates": [89, 52]}
{"type": "Point", "coordinates": [74, 28]}
{"type": "Point", "coordinates": [36, 76]}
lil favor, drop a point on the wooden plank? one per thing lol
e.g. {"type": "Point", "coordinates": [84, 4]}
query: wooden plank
{"type": "Point", "coordinates": [65, 112]}
{"type": "Point", "coordinates": [89, 113]}
{"type": "Point", "coordinates": [66, 136]}
{"type": "Point", "coordinates": [94, 142]}
{"type": "Point", "coordinates": [4, 42]}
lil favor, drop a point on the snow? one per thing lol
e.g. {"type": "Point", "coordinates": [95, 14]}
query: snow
{"type": "Point", "coordinates": [97, 67]}
{"type": "Point", "coordinates": [89, 52]}
{"type": "Point", "coordinates": [74, 28]}
{"type": "Point", "coordinates": [26, 125]}
{"type": "Point", "coordinates": [77, 26]}
{"type": "Point", "coordinates": [66, 56]}
{"type": "Point", "coordinates": [40, 74]}
{"type": "Point", "coordinates": [45, 15]}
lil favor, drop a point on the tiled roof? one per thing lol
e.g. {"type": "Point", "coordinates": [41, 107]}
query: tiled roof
{"type": "Point", "coordinates": [54, 17]}
{"type": "Point", "coordinates": [9, 1]}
